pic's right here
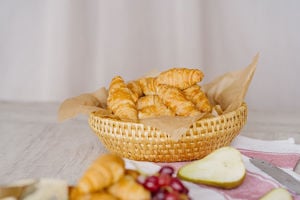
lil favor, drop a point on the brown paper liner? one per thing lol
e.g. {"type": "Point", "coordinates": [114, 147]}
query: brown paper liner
{"type": "Point", "coordinates": [83, 104]}
{"type": "Point", "coordinates": [229, 90]}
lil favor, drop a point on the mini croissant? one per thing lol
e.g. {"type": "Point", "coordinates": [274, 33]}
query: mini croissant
{"type": "Point", "coordinates": [148, 85]}
{"type": "Point", "coordinates": [128, 189]}
{"type": "Point", "coordinates": [120, 100]}
{"type": "Point", "coordinates": [198, 97]}
{"type": "Point", "coordinates": [148, 100]}
{"type": "Point", "coordinates": [104, 171]}
{"type": "Point", "coordinates": [152, 106]}
{"type": "Point", "coordinates": [155, 111]}
{"type": "Point", "coordinates": [174, 99]}
{"type": "Point", "coordinates": [136, 90]}
{"type": "Point", "coordinates": [181, 78]}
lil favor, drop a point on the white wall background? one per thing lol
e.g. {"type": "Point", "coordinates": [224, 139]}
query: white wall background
{"type": "Point", "coordinates": [54, 49]}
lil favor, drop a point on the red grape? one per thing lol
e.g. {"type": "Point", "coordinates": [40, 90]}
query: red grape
{"type": "Point", "coordinates": [172, 196]}
{"type": "Point", "coordinates": [151, 183]}
{"type": "Point", "coordinates": [166, 170]}
{"type": "Point", "coordinates": [160, 195]}
{"type": "Point", "coordinates": [164, 180]}
{"type": "Point", "coordinates": [185, 190]}
{"type": "Point", "coordinates": [164, 185]}
{"type": "Point", "coordinates": [177, 185]}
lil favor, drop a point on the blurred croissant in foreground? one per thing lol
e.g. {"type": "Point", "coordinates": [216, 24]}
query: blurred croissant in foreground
{"type": "Point", "coordinates": [174, 92]}
{"type": "Point", "coordinates": [128, 189]}
{"type": "Point", "coordinates": [104, 171]}
{"type": "Point", "coordinates": [107, 179]}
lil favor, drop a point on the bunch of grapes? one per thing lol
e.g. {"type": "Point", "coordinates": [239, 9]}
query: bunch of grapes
{"type": "Point", "coordinates": [164, 185]}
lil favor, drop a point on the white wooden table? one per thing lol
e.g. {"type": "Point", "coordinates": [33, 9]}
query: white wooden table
{"type": "Point", "coordinates": [34, 145]}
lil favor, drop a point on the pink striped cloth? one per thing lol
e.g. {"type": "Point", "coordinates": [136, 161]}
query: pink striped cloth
{"type": "Point", "coordinates": [282, 153]}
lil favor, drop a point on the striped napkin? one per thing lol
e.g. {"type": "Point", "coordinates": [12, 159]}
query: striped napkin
{"type": "Point", "coordinates": [282, 153]}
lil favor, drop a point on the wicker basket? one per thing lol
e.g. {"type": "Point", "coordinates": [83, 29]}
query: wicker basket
{"type": "Point", "coordinates": [138, 142]}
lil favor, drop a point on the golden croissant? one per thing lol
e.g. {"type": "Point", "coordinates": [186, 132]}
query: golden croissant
{"type": "Point", "coordinates": [120, 100]}
{"type": "Point", "coordinates": [128, 189]}
{"type": "Point", "coordinates": [152, 106]}
{"type": "Point", "coordinates": [136, 90]}
{"type": "Point", "coordinates": [155, 111]}
{"type": "Point", "coordinates": [104, 171]}
{"type": "Point", "coordinates": [198, 97]}
{"type": "Point", "coordinates": [181, 78]}
{"type": "Point", "coordinates": [148, 100]}
{"type": "Point", "coordinates": [148, 85]}
{"type": "Point", "coordinates": [174, 99]}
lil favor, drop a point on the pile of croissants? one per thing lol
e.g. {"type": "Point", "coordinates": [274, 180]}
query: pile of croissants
{"type": "Point", "coordinates": [108, 179]}
{"type": "Point", "coordinates": [174, 92]}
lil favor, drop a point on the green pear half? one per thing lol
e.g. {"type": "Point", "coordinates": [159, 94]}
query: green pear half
{"type": "Point", "coordinates": [222, 168]}
{"type": "Point", "coordinates": [277, 194]}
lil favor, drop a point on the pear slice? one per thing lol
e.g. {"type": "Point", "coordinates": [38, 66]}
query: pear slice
{"type": "Point", "coordinates": [277, 194]}
{"type": "Point", "coordinates": [222, 168]}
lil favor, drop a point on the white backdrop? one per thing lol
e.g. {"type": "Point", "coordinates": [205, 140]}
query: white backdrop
{"type": "Point", "coordinates": [53, 49]}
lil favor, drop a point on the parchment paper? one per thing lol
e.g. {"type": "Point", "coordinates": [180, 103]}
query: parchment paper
{"type": "Point", "coordinates": [229, 90]}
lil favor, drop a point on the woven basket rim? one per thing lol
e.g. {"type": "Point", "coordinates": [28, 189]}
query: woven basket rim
{"type": "Point", "coordinates": [224, 115]}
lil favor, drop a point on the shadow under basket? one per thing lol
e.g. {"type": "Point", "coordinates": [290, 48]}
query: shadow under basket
{"type": "Point", "coordinates": [136, 141]}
